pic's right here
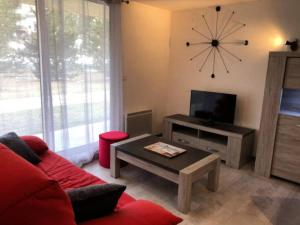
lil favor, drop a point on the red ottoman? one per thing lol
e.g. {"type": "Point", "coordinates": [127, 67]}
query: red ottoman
{"type": "Point", "coordinates": [105, 140]}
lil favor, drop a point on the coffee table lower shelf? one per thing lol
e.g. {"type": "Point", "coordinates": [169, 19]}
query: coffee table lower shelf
{"type": "Point", "coordinates": [209, 165]}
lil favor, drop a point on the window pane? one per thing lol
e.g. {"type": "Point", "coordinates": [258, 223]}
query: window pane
{"type": "Point", "coordinates": [290, 102]}
{"type": "Point", "coordinates": [78, 39]}
{"type": "Point", "coordinates": [20, 99]}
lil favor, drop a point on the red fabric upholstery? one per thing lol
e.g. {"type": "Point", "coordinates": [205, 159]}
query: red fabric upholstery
{"type": "Point", "coordinates": [138, 213]}
{"type": "Point", "coordinates": [70, 176]}
{"type": "Point", "coordinates": [28, 196]}
{"type": "Point", "coordinates": [105, 140]}
{"type": "Point", "coordinates": [113, 136]}
{"type": "Point", "coordinates": [36, 144]}
{"type": "Point", "coordinates": [104, 153]}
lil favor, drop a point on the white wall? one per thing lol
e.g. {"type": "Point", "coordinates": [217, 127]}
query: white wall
{"type": "Point", "coordinates": [158, 74]}
{"type": "Point", "coordinates": [266, 21]}
{"type": "Point", "coordinates": [145, 34]}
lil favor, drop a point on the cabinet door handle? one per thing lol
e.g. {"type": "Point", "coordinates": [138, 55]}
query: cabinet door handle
{"type": "Point", "coordinates": [180, 140]}
{"type": "Point", "coordinates": [183, 141]}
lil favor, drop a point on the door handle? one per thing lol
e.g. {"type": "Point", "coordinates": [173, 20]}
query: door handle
{"type": "Point", "coordinates": [183, 141]}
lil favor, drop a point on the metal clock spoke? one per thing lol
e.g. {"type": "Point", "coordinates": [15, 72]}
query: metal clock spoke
{"type": "Point", "coordinates": [234, 42]}
{"type": "Point", "coordinates": [226, 24]}
{"type": "Point", "coordinates": [218, 9]}
{"type": "Point", "coordinates": [212, 36]}
{"type": "Point", "coordinates": [198, 43]}
{"type": "Point", "coordinates": [203, 35]}
{"type": "Point", "coordinates": [214, 62]}
{"type": "Point", "coordinates": [224, 63]}
{"type": "Point", "coordinates": [203, 64]}
{"type": "Point", "coordinates": [200, 53]}
{"type": "Point", "coordinates": [232, 32]}
{"type": "Point", "coordinates": [237, 24]}
{"type": "Point", "coordinates": [230, 53]}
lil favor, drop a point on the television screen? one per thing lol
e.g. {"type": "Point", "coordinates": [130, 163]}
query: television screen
{"type": "Point", "coordinates": [212, 106]}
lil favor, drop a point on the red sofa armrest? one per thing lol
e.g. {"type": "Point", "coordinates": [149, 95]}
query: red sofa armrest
{"type": "Point", "coordinates": [140, 212]}
{"type": "Point", "coordinates": [28, 196]}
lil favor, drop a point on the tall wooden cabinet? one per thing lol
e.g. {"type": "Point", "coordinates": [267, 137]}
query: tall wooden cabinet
{"type": "Point", "coordinates": [278, 149]}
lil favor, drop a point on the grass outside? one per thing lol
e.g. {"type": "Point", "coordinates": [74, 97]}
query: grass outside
{"type": "Point", "coordinates": [28, 119]}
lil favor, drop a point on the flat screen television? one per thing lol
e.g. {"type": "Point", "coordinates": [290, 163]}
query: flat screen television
{"type": "Point", "coordinates": [212, 106]}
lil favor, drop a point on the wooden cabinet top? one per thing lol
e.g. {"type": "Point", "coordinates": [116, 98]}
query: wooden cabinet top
{"type": "Point", "coordinates": [221, 128]}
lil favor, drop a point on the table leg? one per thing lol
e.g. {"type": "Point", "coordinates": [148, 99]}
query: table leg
{"type": "Point", "coordinates": [184, 192]}
{"type": "Point", "coordinates": [114, 163]}
{"type": "Point", "coordinates": [213, 177]}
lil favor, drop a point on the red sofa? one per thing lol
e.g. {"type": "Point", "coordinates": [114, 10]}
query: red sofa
{"type": "Point", "coordinates": [33, 195]}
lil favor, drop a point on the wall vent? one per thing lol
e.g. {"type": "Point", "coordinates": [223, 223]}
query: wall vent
{"type": "Point", "coordinates": [138, 123]}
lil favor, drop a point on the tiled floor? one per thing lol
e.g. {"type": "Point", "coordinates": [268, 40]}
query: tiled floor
{"type": "Point", "coordinates": [242, 199]}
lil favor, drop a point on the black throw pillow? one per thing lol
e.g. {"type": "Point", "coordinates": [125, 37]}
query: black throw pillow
{"type": "Point", "coordinates": [94, 201]}
{"type": "Point", "coordinates": [12, 141]}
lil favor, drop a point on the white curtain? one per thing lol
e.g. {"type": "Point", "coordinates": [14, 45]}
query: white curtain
{"type": "Point", "coordinates": [81, 81]}
{"type": "Point", "coordinates": [116, 83]}
{"type": "Point", "coordinates": [76, 74]}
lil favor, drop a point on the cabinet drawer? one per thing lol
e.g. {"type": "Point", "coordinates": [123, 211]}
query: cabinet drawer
{"type": "Point", "coordinates": [286, 157]}
{"type": "Point", "coordinates": [292, 73]}
{"type": "Point", "coordinates": [187, 140]}
{"type": "Point", "coordinates": [288, 125]}
{"type": "Point", "coordinates": [195, 142]}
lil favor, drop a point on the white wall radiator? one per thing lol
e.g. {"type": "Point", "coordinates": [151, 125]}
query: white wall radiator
{"type": "Point", "coordinates": [138, 123]}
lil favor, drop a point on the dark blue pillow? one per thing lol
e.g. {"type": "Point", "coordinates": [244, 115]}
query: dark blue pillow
{"type": "Point", "coordinates": [12, 141]}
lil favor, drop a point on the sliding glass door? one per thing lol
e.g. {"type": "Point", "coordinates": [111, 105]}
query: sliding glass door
{"type": "Point", "coordinates": [55, 83]}
{"type": "Point", "coordinates": [78, 49]}
{"type": "Point", "coordinates": [20, 97]}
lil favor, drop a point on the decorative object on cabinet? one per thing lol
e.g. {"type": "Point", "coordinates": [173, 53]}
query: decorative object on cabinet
{"type": "Point", "coordinates": [293, 45]}
{"type": "Point", "coordinates": [216, 39]}
{"type": "Point", "coordinates": [278, 151]}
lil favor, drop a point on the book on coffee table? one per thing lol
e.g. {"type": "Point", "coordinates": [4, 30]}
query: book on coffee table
{"type": "Point", "coordinates": [165, 149]}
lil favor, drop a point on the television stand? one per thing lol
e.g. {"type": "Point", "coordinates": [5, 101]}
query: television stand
{"type": "Point", "coordinates": [233, 143]}
{"type": "Point", "coordinates": [208, 123]}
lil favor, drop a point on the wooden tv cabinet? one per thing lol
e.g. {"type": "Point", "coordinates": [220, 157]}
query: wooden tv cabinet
{"type": "Point", "coordinates": [233, 143]}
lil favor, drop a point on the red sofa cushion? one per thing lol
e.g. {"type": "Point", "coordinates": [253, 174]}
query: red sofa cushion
{"type": "Point", "coordinates": [28, 196]}
{"type": "Point", "coordinates": [70, 176]}
{"type": "Point", "coordinates": [140, 212]}
{"type": "Point", "coordinates": [129, 211]}
{"type": "Point", "coordinates": [36, 144]}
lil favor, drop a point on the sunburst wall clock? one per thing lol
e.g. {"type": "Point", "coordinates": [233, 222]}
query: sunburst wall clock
{"type": "Point", "coordinates": [216, 39]}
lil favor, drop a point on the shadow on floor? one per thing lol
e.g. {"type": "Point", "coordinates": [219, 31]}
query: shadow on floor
{"type": "Point", "coordinates": [287, 212]}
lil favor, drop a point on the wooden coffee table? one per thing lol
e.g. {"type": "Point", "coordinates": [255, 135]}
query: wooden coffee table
{"type": "Point", "coordinates": [184, 169]}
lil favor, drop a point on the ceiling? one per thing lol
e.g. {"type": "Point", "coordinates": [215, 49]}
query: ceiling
{"type": "Point", "coordinates": [175, 5]}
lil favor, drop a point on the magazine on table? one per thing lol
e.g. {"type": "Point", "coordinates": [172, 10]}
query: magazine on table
{"type": "Point", "coordinates": [165, 149]}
